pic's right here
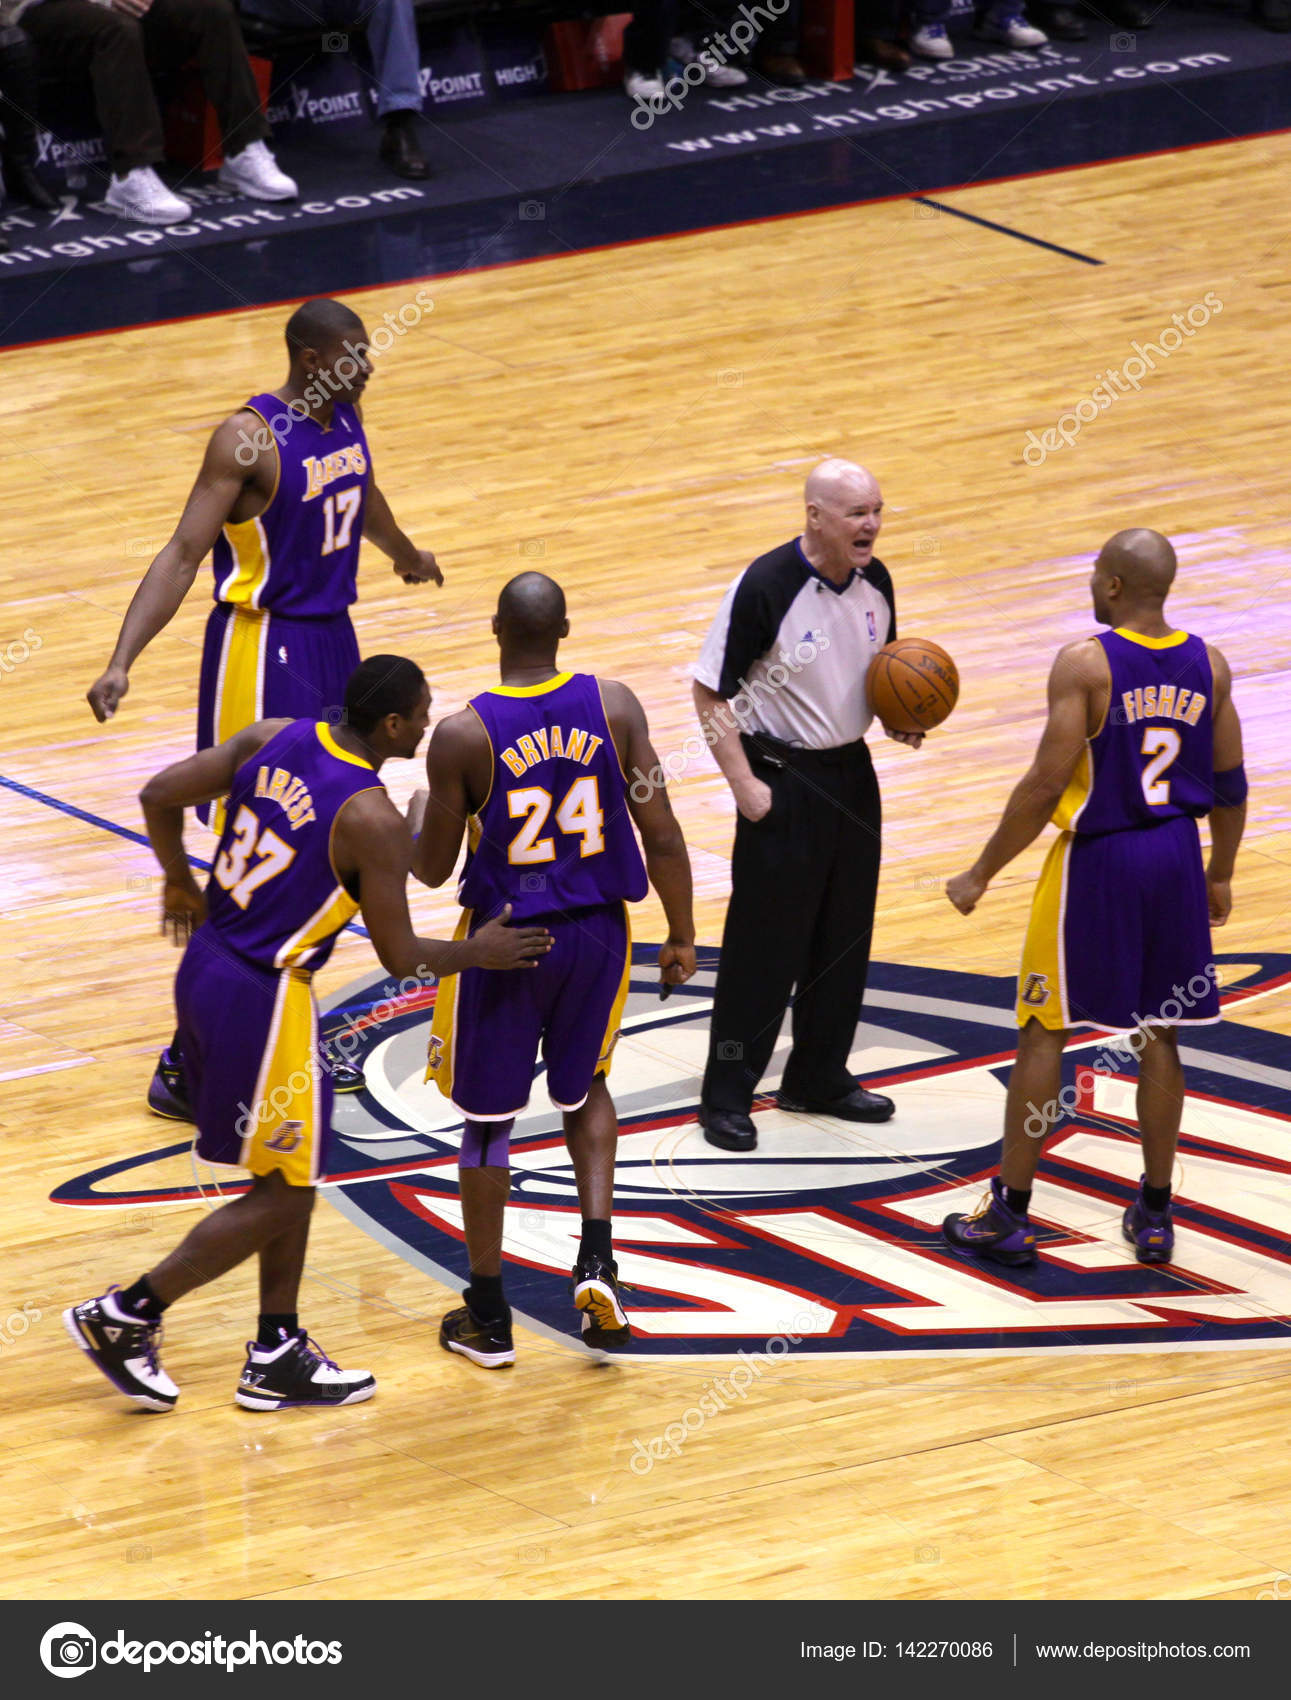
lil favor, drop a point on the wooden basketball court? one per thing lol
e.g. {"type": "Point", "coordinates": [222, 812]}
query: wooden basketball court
{"type": "Point", "coordinates": [638, 423]}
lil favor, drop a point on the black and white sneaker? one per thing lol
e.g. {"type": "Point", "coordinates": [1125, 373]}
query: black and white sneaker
{"type": "Point", "coordinates": [487, 1344]}
{"type": "Point", "coordinates": [595, 1286]}
{"type": "Point", "coordinates": [124, 1348]}
{"type": "Point", "coordinates": [168, 1090]}
{"type": "Point", "coordinates": [298, 1372]}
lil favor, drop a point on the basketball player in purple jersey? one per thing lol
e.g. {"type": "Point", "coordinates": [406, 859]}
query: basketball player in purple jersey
{"type": "Point", "coordinates": [283, 498]}
{"type": "Point", "coordinates": [535, 771]}
{"type": "Point", "coordinates": [1142, 740]}
{"type": "Point", "coordinates": [310, 837]}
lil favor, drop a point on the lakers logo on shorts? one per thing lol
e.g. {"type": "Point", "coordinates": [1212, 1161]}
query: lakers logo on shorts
{"type": "Point", "coordinates": [434, 1054]}
{"type": "Point", "coordinates": [286, 1139]}
{"type": "Point", "coordinates": [1035, 990]}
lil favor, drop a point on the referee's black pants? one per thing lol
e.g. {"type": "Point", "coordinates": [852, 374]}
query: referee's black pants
{"type": "Point", "coordinates": [803, 885]}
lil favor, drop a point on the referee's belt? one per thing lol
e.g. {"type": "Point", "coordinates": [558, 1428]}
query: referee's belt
{"type": "Point", "coordinates": [772, 752]}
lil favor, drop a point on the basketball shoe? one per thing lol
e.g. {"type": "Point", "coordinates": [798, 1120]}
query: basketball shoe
{"type": "Point", "coordinates": [168, 1090]}
{"type": "Point", "coordinates": [1150, 1232]}
{"type": "Point", "coordinates": [487, 1344]}
{"type": "Point", "coordinates": [298, 1372]}
{"type": "Point", "coordinates": [595, 1287]}
{"type": "Point", "coordinates": [994, 1232]}
{"type": "Point", "coordinates": [124, 1349]}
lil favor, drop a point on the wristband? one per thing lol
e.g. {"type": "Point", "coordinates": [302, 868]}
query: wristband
{"type": "Point", "coordinates": [1230, 788]}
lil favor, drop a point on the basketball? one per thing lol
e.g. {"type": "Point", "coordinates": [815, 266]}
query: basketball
{"type": "Point", "coordinates": [913, 685]}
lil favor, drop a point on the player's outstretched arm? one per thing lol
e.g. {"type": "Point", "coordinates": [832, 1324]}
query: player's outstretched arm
{"type": "Point", "coordinates": [666, 856]}
{"type": "Point", "coordinates": [1075, 674]}
{"type": "Point", "coordinates": [197, 779]}
{"type": "Point", "coordinates": [170, 577]}
{"type": "Point", "coordinates": [371, 843]}
{"type": "Point", "coordinates": [1228, 817]}
{"type": "Point", "coordinates": [413, 565]}
{"type": "Point", "coordinates": [449, 757]}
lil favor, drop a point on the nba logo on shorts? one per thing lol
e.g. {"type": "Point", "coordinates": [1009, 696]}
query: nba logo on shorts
{"type": "Point", "coordinates": [1036, 990]}
{"type": "Point", "coordinates": [870, 626]}
{"type": "Point", "coordinates": [286, 1139]}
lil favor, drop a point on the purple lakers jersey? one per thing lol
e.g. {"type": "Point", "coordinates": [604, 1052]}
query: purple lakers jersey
{"type": "Point", "coordinates": [554, 833]}
{"type": "Point", "coordinates": [1153, 757]}
{"type": "Point", "coordinates": [274, 896]}
{"type": "Point", "coordinates": [300, 557]}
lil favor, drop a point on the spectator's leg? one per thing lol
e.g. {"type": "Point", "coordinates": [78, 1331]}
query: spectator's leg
{"type": "Point", "coordinates": [776, 52]}
{"type": "Point", "coordinates": [878, 23]}
{"type": "Point", "coordinates": [395, 60]}
{"type": "Point", "coordinates": [19, 91]}
{"type": "Point", "coordinates": [177, 30]}
{"type": "Point", "coordinates": [82, 41]}
{"type": "Point", "coordinates": [645, 41]}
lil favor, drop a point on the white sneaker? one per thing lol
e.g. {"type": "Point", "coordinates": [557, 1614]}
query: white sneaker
{"type": "Point", "coordinates": [142, 195]}
{"type": "Point", "coordinates": [930, 41]}
{"type": "Point", "coordinates": [722, 76]}
{"type": "Point", "coordinates": [717, 73]}
{"type": "Point", "coordinates": [643, 86]}
{"type": "Point", "coordinates": [255, 173]}
{"type": "Point", "coordinates": [1011, 28]}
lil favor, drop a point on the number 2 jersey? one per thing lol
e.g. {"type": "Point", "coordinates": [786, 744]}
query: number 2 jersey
{"type": "Point", "coordinates": [1152, 759]}
{"type": "Point", "coordinates": [274, 895]}
{"type": "Point", "coordinates": [554, 832]}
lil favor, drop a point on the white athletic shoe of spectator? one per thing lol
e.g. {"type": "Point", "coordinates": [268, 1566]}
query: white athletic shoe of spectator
{"type": "Point", "coordinates": [930, 41]}
{"type": "Point", "coordinates": [718, 74]}
{"type": "Point", "coordinates": [255, 173]}
{"type": "Point", "coordinates": [142, 195]}
{"type": "Point", "coordinates": [1011, 28]}
{"type": "Point", "coordinates": [645, 86]}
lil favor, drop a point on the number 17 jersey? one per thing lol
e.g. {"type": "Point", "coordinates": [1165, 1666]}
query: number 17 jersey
{"type": "Point", "coordinates": [554, 832]}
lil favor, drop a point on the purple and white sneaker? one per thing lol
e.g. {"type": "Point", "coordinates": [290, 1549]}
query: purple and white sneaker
{"type": "Point", "coordinates": [1150, 1232]}
{"type": "Point", "coordinates": [994, 1232]}
{"type": "Point", "coordinates": [124, 1348]}
{"type": "Point", "coordinates": [298, 1372]}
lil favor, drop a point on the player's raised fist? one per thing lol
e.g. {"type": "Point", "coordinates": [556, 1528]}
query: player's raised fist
{"type": "Point", "coordinates": [105, 694]}
{"type": "Point", "coordinates": [501, 946]}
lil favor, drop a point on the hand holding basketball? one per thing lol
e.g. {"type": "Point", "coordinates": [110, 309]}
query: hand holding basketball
{"type": "Point", "coordinates": [913, 685]}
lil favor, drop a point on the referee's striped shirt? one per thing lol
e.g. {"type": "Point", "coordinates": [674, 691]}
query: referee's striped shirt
{"type": "Point", "coordinates": [796, 648]}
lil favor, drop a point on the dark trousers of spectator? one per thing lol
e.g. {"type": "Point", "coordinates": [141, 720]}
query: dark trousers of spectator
{"type": "Point", "coordinates": [19, 93]}
{"type": "Point", "coordinates": [803, 885]}
{"type": "Point", "coordinates": [118, 55]}
{"type": "Point", "coordinates": [645, 41]}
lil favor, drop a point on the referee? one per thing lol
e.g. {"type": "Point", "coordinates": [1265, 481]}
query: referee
{"type": "Point", "coordinates": [780, 692]}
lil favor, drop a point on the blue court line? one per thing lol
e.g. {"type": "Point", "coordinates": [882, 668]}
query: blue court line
{"type": "Point", "coordinates": [105, 825]}
{"type": "Point", "coordinates": [1008, 230]}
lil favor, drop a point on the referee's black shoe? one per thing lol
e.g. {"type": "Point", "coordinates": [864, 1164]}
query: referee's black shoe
{"type": "Point", "coordinates": [858, 1106]}
{"type": "Point", "coordinates": [732, 1130]}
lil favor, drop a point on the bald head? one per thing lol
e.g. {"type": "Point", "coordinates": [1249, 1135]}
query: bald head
{"type": "Point", "coordinates": [844, 513]}
{"type": "Point", "coordinates": [1132, 577]}
{"type": "Point", "coordinates": [531, 615]}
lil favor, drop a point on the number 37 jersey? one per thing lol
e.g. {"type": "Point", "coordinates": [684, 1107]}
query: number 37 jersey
{"type": "Point", "coordinates": [554, 833]}
{"type": "Point", "coordinates": [1153, 757]}
{"type": "Point", "coordinates": [274, 896]}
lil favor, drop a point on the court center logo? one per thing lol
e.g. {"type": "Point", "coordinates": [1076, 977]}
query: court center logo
{"type": "Point", "coordinates": [68, 1649]}
{"type": "Point", "coordinates": [829, 1227]}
